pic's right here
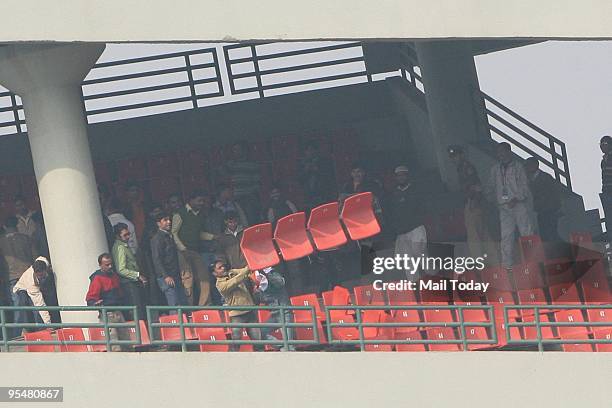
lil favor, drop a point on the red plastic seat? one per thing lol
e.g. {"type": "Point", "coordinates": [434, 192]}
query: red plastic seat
{"type": "Point", "coordinates": [257, 247]}
{"type": "Point", "coordinates": [358, 216]}
{"type": "Point", "coordinates": [603, 334]}
{"type": "Point", "coordinates": [163, 165]}
{"type": "Point", "coordinates": [144, 333]}
{"type": "Point", "coordinates": [563, 294]}
{"type": "Point", "coordinates": [582, 245]}
{"type": "Point", "coordinates": [43, 335]}
{"type": "Point", "coordinates": [379, 347]}
{"type": "Point", "coordinates": [291, 237]}
{"type": "Point", "coordinates": [262, 317]}
{"type": "Point", "coordinates": [437, 315]}
{"type": "Point", "coordinates": [499, 299]}
{"type": "Point", "coordinates": [498, 277]}
{"type": "Point", "coordinates": [527, 276]}
{"type": "Point", "coordinates": [374, 316]}
{"type": "Point", "coordinates": [571, 316]}
{"type": "Point", "coordinates": [412, 335]}
{"type": "Point", "coordinates": [367, 295]}
{"type": "Point", "coordinates": [339, 296]}
{"type": "Point", "coordinates": [401, 297]}
{"type": "Point", "coordinates": [174, 333]}
{"type": "Point", "coordinates": [208, 316]}
{"type": "Point", "coordinates": [97, 334]}
{"type": "Point", "coordinates": [600, 316]}
{"type": "Point", "coordinates": [476, 333]}
{"type": "Point", "coordinates": [442, 333]}
{"type": "Point", "coordinates": [531, 332]}
{"type": "Point", "coordinates": [306, 333]}
{"type": "Point", "coordinates": [502, 333]}
{"type": "Point", "coordinates": [472, 315]}
{"type": "Point", "coordinates": [406, 316]}
{"type": "Point", "coordinates": [529, 297]}
{"type": "Point", "coordinates": [72, 334]}
{"type": "Point", "coordinates": [246, 348]}
{"type": "Point", "coordinates": [594, 282]}
{"type": "Point", "coordinates": [532, 249]}
{"type": "Point", "coordinates": [212, 334]}
{"type": "Point", "coordinates": [347, 332]}
{"type": "Point", "coordinates": [324, 226]}
{"type": "Point", "coordinates": [310, 299]}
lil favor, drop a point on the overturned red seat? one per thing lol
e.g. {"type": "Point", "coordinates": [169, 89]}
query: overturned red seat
{"type": "Point", "coordinates": [324, 226]}
{"type": "Point", "coordinates": [291, 237]}
{"type": "Point", "coordinates": [257, 247]}
{"type": "Point", "coordinates": [358, 216]}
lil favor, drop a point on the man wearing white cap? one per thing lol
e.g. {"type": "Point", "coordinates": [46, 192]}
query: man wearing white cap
{"type": "Point", "coordinates": [407, 218]}
{"type": "Point", "coordinates": [28, 292]}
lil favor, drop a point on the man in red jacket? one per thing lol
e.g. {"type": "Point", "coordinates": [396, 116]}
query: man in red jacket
{"type": "Point", "coordinates": [105, 290]}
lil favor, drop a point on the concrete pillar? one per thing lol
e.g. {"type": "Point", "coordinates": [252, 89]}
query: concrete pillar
{"type": "Point", "coordinates": [48, 79]}
{"type": "Point", "coordinates": [455, 114]}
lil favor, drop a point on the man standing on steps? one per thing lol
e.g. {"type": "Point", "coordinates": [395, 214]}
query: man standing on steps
{"type": "Point", "coordinates": [605, 144]}
{"type": "Point", "coordinates": [407, 218]}
{"type": "Point", "coordinates": [165, 262]}
{"type": "Point", "coordinates": [513, 197]}
{"type": "Point", "coordinates": [188, 230]}
{"type": "Point", "coordinates": [546, 200]}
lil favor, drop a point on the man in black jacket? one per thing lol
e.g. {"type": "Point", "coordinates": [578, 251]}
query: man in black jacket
{"type": "Point", "coordinates": [165, 262]}
{"type": "Point", "coordinates": [546, 200]}
{"type": "Point", "coordinates": [407, 218]}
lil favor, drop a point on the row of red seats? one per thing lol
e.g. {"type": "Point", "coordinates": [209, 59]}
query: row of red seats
{"type": "Point", "coordinates": [295, 237]}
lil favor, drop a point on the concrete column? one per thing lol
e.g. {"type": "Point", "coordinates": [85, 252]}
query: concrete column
{"type": "Point", "coordinates": [455, 114]}
{"type": "Point", "coordinates": [48, 79]}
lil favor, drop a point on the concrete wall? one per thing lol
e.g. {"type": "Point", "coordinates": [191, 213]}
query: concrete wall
{"type": "Point", "coordinates": [437, 380]}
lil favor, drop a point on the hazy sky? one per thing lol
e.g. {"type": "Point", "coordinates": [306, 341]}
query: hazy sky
{"type": "Point", "coordinates": [563, 87]}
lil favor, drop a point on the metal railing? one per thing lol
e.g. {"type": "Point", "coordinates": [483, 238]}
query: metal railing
{"type": "Point", "coordinates": [187, 338]}
{"type": "Point", "coordinates": [362, 341]}
{"type": "Point", "coordinates": [538, 324]}
{"type": "Point", "coordinates": [188, 335]}
{"type": "Point", "coordinates": [506, 124]}
{"type": "Point", "coordinates": [107, 326]}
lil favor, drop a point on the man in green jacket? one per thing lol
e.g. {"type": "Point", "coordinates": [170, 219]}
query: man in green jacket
{"type": "Point", "coordinates": [127, 268]}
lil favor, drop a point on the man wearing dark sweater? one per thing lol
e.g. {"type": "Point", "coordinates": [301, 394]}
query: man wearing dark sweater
{"type": "Point", "coordinates": [407, 218]}
{"type": "Point", "coordinates": [188, 231]}
{"type": "Point", "coordinates": [165, 262]}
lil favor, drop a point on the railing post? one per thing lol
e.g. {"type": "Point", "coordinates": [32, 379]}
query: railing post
{"type": "Point", "coordinates": [5, 346]}
{"type": "Point", "coordinates": [360, 328]}
{"type": "Point", "coordinates": [256, 67]}
{"type": "Point", "coordinates": [109, 347]}
{"type": "Point", "coordinates": [553, 154]}
{"type": "Point", "coordinates": [539, 329]}
{"type": "Point", "coordinates": [15, 112]}
{"type": "Point", "coordinates": [182, 329]}
{"type": "Point", "coordinates": [462, 329]}
{"type": "Point", "coordinates": [194, 97]}
{"type": "Point", "coordinates": [284, 329]}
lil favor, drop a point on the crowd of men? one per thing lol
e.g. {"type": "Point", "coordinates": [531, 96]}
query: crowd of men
{"type": "Point", "coordinates": [188, 253]}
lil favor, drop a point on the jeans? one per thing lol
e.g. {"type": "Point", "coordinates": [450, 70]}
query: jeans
{"type": "Point", "coordinates": [275, 317]}
{"type": "Point", "coordinates": [253, 332]}
{"type": "Point", "coordinates": [175, 296]}
{"type": "Point", "coordinates": [117, 333]}
{"type": "Point", "coordinates": [133, 296]}
{"type": "Point", "coordinates": [20, 299]}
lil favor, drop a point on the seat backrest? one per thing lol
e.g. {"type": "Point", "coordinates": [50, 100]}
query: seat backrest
{"type": "Point", "coordinates": [531, 296]}
{"type": "Point", "coordinates": [72, 334]}
{"type": "Point", "coordinates": [144, 332]}
{"type": "Point", "coordinates": [358, 216]}
{"type": "Point", "coordinates": [498, 277]}
{"type": "Point", "coordinates": [401, 297]}
{"type": "Point", "coordinates": [173, 333]}
{"type": "Point", "coordinates": [532, 249]}
{"type": "Point", "coordinates": [413, 335]}
{"type": "Point", "coordinates": [291, 237]}
{"type": "Point", "coordinates": [594, 282]}
{"type": "Point", "coordinates": [527, 275]}
{"type": "Point", "coordinates": [309, 299]}
{"type": "Point", "coordinates": [97, 334]}
{"type": "Point", "coordinates": [367, 295]}
{"type": "Point", "coordinates": [439, 334]}
{"type": "Point", "coordinates": [206, 316]}
{"type": "Point", "coordinates": [564, 293]}
{"type": "Point", "coordinates": [212, 334]}
{"type": "Point", "coordinates": [257, 247]}
{"type": "Point", "coordinates": [44, 335]}
{"type": "Point", "coordinates": [324, 226]}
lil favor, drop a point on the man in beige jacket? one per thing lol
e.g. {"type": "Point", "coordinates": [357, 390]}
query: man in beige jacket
{"type": "Point", "coordinates": [233, 286]}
